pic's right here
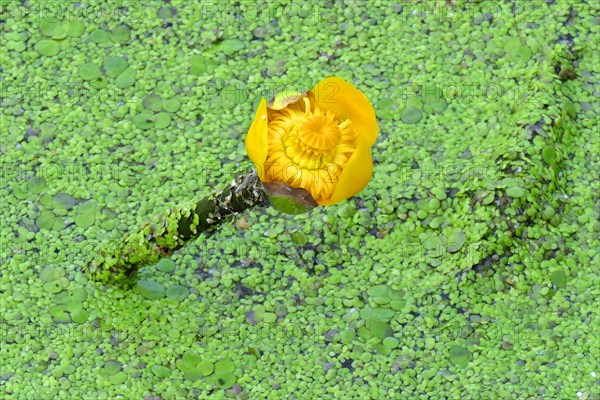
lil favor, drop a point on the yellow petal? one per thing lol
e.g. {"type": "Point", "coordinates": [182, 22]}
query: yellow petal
{"type": "Point", "coordinates": [347, 102]}
{"type": "Point", "coordinates": [256, 142]}
{"type": "Point", "coordinates": [354, 177]}
{"type": "Point", "coordinates": [282, 99]}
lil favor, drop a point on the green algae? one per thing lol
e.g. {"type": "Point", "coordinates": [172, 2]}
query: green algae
{"type": "Point", "coordinates": [493, 282]}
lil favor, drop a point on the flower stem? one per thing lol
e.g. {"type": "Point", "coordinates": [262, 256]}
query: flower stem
{"type": "Point", "coordinates": [173, 229]}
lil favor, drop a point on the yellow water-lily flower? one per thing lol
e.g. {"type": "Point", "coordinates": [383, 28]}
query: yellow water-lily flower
{"type": "Point", "coordinates": [319, 141]}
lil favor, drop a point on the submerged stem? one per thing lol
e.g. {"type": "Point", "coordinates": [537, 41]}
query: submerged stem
{"type": "Point", "coordinates": [173, 229]}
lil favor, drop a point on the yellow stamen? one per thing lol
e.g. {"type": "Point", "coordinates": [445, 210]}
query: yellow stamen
{"type": "Point", "coordinates": [308, 149]}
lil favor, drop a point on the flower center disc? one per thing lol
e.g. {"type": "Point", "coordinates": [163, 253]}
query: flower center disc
{"type": "Point", "coordinates": [308, 149]}
{"type": "Point", "coordinates": [319, 133]}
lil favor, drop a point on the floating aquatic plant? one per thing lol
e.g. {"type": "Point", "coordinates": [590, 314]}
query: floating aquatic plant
{"type": "Point", "coordinates": [309, 149]}
{"type": "Point", "coordinates": [319, 141]}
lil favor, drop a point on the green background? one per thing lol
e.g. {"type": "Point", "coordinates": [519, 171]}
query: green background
{"type": "Point", "coordinates": [466, 269]}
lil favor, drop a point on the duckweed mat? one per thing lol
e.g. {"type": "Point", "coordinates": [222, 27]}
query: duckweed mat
{"type": "Point", "coordinates": [467, 269]}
